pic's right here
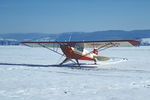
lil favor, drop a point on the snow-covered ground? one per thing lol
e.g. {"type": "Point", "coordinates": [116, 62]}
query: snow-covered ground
{"type": "Point", "coordinates": [28, 74]}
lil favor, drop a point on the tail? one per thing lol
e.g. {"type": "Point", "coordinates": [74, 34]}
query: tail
{"type": "Point", "coordinates": [95, 51]}
{"type": "Point", "coordinates": [100, 58]}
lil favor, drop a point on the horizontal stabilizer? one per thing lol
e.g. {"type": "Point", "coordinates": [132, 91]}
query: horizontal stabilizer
{"type": "Point", "coordinates": [101, 58]}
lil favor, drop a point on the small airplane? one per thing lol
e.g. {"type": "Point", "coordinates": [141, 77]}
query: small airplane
{"type": "Point", "coordinates": [76, 49]}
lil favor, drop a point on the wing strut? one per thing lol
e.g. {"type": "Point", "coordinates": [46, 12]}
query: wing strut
{"type": "Point", "coordinates": [51, 49]}
{"type": "Point", "coordinates": [56, 51]}
{"type": "Point", "coordinates": [106, 46]}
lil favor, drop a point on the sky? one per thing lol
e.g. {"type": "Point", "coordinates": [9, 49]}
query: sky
{"type": "Point", "coordinates": [57, 16]}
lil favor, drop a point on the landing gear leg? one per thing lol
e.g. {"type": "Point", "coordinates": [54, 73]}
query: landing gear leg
{"type": "Point", "coordinates": [95, 61]}
{"type": "Point", "coordinates": [77, 62]}
{"type": "Point", "coordinates": [66, 60]}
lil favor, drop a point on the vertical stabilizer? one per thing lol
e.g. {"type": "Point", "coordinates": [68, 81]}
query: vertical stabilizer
{"type": "Point", "coordinates": [95, 51]}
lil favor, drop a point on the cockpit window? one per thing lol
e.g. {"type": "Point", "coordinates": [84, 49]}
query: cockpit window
{"type": "Point", "coordinates": [78, 47]}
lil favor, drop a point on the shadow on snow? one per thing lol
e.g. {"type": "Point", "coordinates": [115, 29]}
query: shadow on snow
{"type": "Point", "coordinates": [83, 65]}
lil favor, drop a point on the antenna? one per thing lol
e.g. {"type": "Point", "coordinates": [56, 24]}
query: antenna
{"type": "Point", "coordinates": [70, 37]}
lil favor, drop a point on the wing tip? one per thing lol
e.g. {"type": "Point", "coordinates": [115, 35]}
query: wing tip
{"type": "Point", "coordinates": [135, 42]}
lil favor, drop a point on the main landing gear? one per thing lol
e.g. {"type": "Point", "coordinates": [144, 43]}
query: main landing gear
{"type": "Point", "coordinates": [69, 59]}
{"type": "Point", "coordinates": [77, 61]}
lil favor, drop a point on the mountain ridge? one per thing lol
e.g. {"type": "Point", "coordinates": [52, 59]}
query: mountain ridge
{"type": "Point", "coordinates": [75, 36]}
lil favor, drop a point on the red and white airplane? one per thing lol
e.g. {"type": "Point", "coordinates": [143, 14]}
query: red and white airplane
{"type": "Point", "coordinates": [76, 49]}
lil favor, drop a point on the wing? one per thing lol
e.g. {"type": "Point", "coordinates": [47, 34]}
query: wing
{"type": "Point", "coordinates": [41, 44]}
{"type": "Point", "coordinates": [86, 44]}
{"type": "Point", "coordinates": [111, 43]}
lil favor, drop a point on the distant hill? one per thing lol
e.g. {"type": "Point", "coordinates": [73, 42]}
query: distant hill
{"type": "Point", "coordinates": [75, 36]}
{"type": "Point", "coordinates": [106, 35]}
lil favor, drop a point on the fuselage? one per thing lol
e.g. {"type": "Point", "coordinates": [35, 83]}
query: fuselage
{"type": "Point", "coordinates": [77, 53]}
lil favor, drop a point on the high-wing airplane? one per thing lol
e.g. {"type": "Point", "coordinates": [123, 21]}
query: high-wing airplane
{"type": "Point", "coordinates": [76, 49]}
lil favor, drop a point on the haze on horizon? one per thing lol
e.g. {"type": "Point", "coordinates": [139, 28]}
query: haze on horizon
{"type": "Point", "coordinates": [57, 16]}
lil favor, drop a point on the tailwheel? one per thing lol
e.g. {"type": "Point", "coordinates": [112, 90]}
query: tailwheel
{"type": "Point", "coordinates": [100, 58]}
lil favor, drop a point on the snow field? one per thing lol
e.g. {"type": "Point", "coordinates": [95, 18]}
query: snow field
{"type": "Point", "coordinates": [28, 74]}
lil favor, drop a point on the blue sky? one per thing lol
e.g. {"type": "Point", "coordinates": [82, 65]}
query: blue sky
{"type": "Point", "coordinates": [57, 16]}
